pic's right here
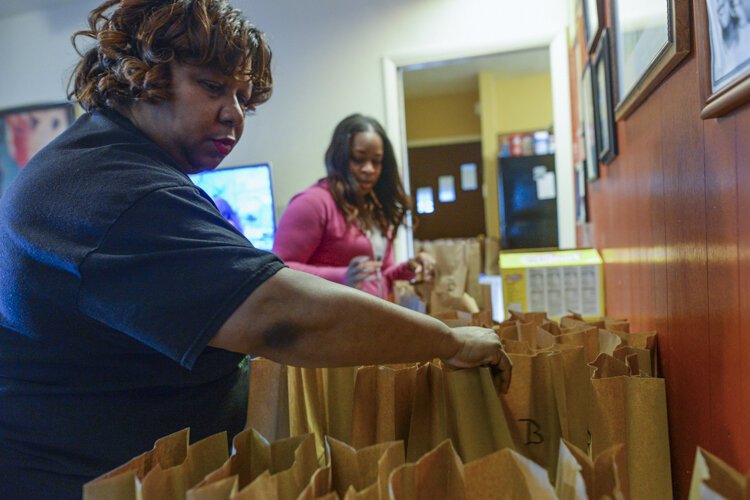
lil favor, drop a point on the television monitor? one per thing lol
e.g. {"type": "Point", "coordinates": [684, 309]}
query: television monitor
{"type": "Point", "coordinates": [244, 197]}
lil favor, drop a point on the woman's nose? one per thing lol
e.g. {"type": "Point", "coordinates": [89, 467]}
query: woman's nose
{"type": "Point", "coordinates": [231, 113]}
{"type": "Point", "coordinates": [368, 167]}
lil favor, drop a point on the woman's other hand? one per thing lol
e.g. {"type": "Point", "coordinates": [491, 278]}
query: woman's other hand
{"type": "Point", "coordinates": [361, 269]}
{"type": "Point", "coordinates": [423, 265]}
{"type": "Point", "coordinates": [481, 346]}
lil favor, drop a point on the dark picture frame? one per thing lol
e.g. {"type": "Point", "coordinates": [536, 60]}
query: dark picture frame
{"type": "Point", "coordinates": [582, 215]}
{"type": "Point", "coordinates": [25, 130]}
{"type": "Point", "coordinates": [593, 21]}
{"type": "Point", "coordinates": [648, 45]}
{"type": "Point", "coordinates": [601, 73]}
{"type": "Point", "coordinates": [589, 123]}
{"type": "Point", "coordinates": [723, 44]}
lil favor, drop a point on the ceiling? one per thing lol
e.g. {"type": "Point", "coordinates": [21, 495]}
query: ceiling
{"type": "Point", "coordinates": [445, 77]}
{"type": "Point", "coordinates": [459, 76]}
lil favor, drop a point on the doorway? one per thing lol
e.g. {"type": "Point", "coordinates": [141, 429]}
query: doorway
{"type": "Point", "coordinates": [455, 114]}
{"type": "Point", "coordinates": [396, 70]}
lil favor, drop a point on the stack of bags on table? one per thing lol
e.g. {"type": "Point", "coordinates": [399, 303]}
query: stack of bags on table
{"type": "Point", "coordinates": [456, 286]}
{"type": "Point", "coordinates": [584, 418]}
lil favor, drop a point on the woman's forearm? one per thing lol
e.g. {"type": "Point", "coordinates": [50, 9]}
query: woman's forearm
{"type": "Point", "coordinates": [302, 320]}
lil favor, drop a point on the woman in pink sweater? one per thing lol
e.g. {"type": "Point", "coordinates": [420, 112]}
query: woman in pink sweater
{"type": "Point", "coordinates": [342, 227]}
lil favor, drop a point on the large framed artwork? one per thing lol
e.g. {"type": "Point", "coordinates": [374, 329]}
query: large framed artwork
{"type": "Point", "coordinates": [723, 41]}
{"type": "Point", "coordinates": [589, 124]}
{"type": "Point", "coordinates": [24, 131]}
{"type": "Point", "coordinates": [593, 21]}
{"type": "Point", "coordinates": [606, 131]}
{"type": "Point", "coordinates": [650, 38]}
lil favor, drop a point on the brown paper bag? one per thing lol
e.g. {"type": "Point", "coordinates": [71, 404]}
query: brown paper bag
{"type": "Point", "coordinates": [643, 343]}
{"type": "Point", "coordinates": [282, 482]}
{"type": "Point", "coordinates": [570, 383]}
{"type": "Point", "coordinates": [476, 421]}
{"type": "Point", "coordinates": [429, 426]}
{"type": "Point", "coordinates": [583, 335]}
{"type": "Point", "coordinates": [453, 273]}
{"type": "Point", "coordinates": [321, 402]}
{"type": "Point", "coordinates": [307, 404]}
{"type": "Point", "coordinates": [338, 384]}
{"type": "Point", "coordinates": [520, 331]}
{"type": "Point", "coordinates": [578, 478]}
{"type": "Point", "coordinates": [438, 474]}
{"type": "Point", "coordinates": [713, 479]}
{"type": "Point", "coordinates": [252, 455]}
{"type": "Point", "coordinates": [552, 327]}
{"type": "Point", "coordinates": [363, 474]}
{"type": "Point", "coordinates": [642, 365]}
{"type": "Point", "coordinates": [531, 409]}
{"type": "Point", "coordinates": [268, 399]}
{"type": "Point", "coordinates": [320, 486]}
{"type": "Point", "coordinates": [572, 387]}
{"type": "Point", "coordinates": [167, 471]}
{"type": "Point", "coordinates": [517, 347]}
{"type": "Point", "coordinates": [506, 474]}
{"type": "Point", "coordinates": [633, 411]}
{"type": "Point", "coordinates": [538, 318]}
{"type": "Point", "coordinates": [382, 405]}
{"type": "Point", "coordinates": [222, 489]}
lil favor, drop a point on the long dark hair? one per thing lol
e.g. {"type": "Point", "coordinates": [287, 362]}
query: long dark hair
{"type": "Point", "coordinates": [387, 208]}
{"type": "Point", "coordinates": [136, 41]}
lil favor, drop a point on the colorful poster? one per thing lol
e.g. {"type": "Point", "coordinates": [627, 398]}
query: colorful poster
{"type": "Point", "coordinates": [24, 131]}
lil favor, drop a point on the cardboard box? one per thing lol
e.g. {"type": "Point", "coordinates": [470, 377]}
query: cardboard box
{"type": "Point", "coordinates": [556, 282]}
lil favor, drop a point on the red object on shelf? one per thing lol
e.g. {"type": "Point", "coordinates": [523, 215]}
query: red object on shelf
{"type": "Point", "coordinates": [516, 144]}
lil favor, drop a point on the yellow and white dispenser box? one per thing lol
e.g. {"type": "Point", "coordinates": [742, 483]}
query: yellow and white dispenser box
{"type": "Point", "coordinates": [556, 282]}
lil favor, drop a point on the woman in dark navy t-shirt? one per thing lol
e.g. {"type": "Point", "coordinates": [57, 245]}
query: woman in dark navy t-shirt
{"type": "Point", "coordinates": [127, 302]}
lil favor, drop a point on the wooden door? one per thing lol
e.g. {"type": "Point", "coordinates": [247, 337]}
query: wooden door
{"type": "Point", "coordinates": [461, 218]}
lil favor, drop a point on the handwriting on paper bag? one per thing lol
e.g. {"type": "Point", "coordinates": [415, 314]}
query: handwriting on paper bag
{"type": "Point", "coordinates": [533, 436]}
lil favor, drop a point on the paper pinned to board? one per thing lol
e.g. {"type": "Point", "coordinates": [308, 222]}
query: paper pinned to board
{"type": "Point", "coordinates": [545, 183]}
{"type": "Point", "coordinates": [469, 180]}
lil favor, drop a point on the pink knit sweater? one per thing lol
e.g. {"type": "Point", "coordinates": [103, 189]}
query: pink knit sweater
{"type": "Point", "coordinates": [313, 236]}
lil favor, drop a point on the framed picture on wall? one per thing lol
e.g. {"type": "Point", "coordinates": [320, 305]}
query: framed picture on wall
{"type": "Point", "coordinates": [723, 40]}
{"type": "Point", "coordinates": [606, 131]}
{"type": "Point", "coordinates": [581, 209]}
{"type": "Point", "coordinates": [24, 131]}
{"type": "Point", "coordinates": [650, 39]}
{"type": "Point", "coordinates": [593, 21]}
{"type": "Point", "coordinates": [589, 124]}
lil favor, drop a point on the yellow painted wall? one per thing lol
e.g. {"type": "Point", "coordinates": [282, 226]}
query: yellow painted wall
{"type": "Point", "coordinates": [442, 116]}
{"type": "Point", "coordinates": [523, 103]}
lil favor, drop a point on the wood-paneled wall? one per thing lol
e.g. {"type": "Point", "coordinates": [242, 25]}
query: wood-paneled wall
{"type": "Point", "coordinates": [671, 216]}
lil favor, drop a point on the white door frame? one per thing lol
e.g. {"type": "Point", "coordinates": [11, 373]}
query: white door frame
{"type": "Point", "coordinates": [393, 67]}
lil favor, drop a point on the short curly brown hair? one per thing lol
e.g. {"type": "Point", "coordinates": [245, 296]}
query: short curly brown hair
{"type": "Point", "coordinates": [129, 60]}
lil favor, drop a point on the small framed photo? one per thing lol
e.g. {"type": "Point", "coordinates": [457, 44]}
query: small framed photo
{"type": "Point", "coordinates": [723, 39]}
{"type": "Point", "coordinates": [589, 124]}
{"type": "Point", "coordinates": [593, 21]}
{"type": "Point", "coordinates": [650, 39]}
{"type": "Point", "coordinates": [606, 131]}
{"type": "Point", "coordinates": [24, 131]}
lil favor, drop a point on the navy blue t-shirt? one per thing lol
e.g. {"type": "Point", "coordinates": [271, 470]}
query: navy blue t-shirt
{"type": "Point", "coordinates": [115, 272]}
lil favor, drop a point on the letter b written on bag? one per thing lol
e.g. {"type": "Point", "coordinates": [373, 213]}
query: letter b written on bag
{"type": "Point", "coordinates": [533, 434]}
